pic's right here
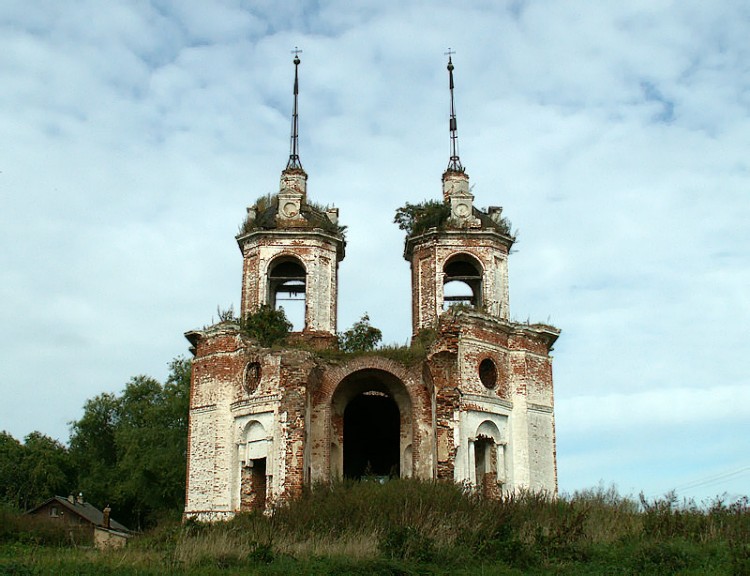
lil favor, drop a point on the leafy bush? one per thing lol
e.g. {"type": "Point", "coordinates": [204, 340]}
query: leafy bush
{"type": "Point", "coordinates": [361, 337]}
{"type": "Point", "coordinates": [266, 325]}
{"type": "Point", "coordinates": [417, 218]}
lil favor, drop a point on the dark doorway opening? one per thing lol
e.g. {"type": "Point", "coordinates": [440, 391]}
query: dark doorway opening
{"type": "Point", "coordinates": [253, 496]}
{"type": "Point", "coordinates": [371, 436]}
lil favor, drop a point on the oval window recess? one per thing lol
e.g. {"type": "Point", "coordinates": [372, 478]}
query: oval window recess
{"type": "Point", "coordinates": [252, 377]}
{"type": "Point", "coordinates": [488, 373]}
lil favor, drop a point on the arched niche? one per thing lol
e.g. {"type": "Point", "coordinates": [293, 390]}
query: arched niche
{"type": "Point", "coordinates": [253, 472]}
{"type": "Point", "coordinates": [489, 456]}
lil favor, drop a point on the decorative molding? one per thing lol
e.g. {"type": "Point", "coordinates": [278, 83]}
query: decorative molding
{"type": "Point", "coordinates": [479, 400]}
{"type": "Point", "coordinates": [253, 402]}
{"type": "Point", "coordinates": [539, 408]}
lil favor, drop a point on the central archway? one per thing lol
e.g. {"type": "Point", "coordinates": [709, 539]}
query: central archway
{"type": "Point", "coordinates": [371, 426]}
{"type": "Point", "coordinates": [372, 434]}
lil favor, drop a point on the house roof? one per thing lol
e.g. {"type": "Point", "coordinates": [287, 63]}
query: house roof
{"type": "Point", "coordinates": [85, 510]}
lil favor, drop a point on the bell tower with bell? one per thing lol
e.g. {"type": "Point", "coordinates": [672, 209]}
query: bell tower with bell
{"type": "Point", "coordinates": [464, 259]}
{"type": "Point", "coordinates": [291, 249]}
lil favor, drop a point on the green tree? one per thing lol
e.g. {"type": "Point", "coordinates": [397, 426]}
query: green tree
{"type": "Point", "coordinates": [130, 450]}
{"type": "Point", "coordinates": [45, 469]}
{"type": "Point", "coordinates": [33, 471]}
{"type": "Point", "coordinates": [11, 455]}
{"type": "Point", "coordinates": [93, 448]}
{"type": "Point", "coordinates": [361, 337]}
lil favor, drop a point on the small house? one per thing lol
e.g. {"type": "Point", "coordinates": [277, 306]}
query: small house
{"type": "Point", "coordinates": [88, 520]}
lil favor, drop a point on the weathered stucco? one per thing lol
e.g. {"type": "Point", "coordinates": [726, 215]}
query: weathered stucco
{"type": "Point", "coordinates": [477, 408]}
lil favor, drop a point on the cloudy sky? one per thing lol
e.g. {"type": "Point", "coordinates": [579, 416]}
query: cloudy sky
{"type": "Point", "coordinates": [616, 135]}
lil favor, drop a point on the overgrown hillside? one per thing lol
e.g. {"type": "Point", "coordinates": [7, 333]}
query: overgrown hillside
{"type": "Point", "coordinates": [411, 527]}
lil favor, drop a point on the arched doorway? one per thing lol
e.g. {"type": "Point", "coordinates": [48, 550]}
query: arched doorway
{"type": "Point", "coordinates": [372, 432]}
{"type": "Point", "coordinates": [371, 426]}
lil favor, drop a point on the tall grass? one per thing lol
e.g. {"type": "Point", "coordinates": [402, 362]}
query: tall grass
{"type": "Point", "coordinates": [410, 527]}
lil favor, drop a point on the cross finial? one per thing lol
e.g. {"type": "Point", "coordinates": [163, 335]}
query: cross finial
{"type": "Point", "coordinates": [455, 162]}
{"type": "Point", "coordinates": [294, 162]}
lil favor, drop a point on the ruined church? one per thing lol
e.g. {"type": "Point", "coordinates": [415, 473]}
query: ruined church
{"type": "Point", "coordinates": [474, 405]}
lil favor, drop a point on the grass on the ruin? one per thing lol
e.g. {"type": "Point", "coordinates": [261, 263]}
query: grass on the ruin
{"type": "Point", "coordinates": [410, 527]}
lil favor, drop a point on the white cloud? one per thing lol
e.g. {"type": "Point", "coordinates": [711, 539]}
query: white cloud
{"type": "Point", "coordinates": [614, 136]}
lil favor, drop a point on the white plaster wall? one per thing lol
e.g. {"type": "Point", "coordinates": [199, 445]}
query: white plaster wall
{"type": "Point", "coordinates": [212, 460]}
{"type": "Point", "coordinates": [278, 470]}
{"type": "Point", "coordinates": [202, 445]}
{"type": "Point", "coordinates": [520, 453]}
{"type": "Point", "coordinates": [499, 282]}
{"type": "Point", "coordinates": [223, 456]}
{"type": "Point", "coordinates": [541, 449]}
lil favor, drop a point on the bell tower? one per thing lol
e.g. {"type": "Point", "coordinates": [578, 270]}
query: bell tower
{"type": "Point", "coordinates": [291, 248]}
{"type": "Point", "coordinates": [463, 257]}
{"type": "Point", "coordinates": [476, 408]}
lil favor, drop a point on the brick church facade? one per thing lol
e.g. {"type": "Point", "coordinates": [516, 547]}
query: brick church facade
{"type": "Point", "coordinates": [475, 407]}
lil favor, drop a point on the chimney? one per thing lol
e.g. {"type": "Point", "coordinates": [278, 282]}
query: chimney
{"type": "Point", "coordinates": [105, 517]}
{"type": "Point", "coordinates": [79, 500]}
{"type": "Point", "coordinates": [72, 499]}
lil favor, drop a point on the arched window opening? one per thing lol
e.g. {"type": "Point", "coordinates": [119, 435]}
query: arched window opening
{"type": "Point", "coordinates": [462, 282]}
{"type": "Point", "coordinates": [288, 290]}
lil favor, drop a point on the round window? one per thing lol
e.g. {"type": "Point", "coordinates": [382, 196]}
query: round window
{"type": "Point", "coordinates": [252, 377]}
{"type": "Point", "coordinates": [488, 373]}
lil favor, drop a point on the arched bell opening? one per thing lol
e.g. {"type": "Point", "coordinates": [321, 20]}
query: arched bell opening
{"type": "Point", "coordinates": [462, 281]}
{"type": "Point", "coordinates": [287, 288]}
{"type": "Point", "coordinates": [371, 422]}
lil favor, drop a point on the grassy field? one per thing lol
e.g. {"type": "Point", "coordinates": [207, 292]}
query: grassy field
{"type": "Point", "coordinates": [408, 527]}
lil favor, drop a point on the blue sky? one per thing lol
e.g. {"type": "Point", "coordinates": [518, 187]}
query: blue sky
{"type": "Point", "coordinates": [615, 135]}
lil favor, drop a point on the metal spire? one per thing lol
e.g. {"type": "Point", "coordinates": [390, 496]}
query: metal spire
{"type": "Point", "coordinates": [455, 162]}
{"type": "Point", "coordinates": [294, 162]}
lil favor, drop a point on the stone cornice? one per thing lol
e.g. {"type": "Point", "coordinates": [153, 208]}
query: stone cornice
{"type": "Point", "coordinates": [545, 332]}
{"type": "Point", "coordinates": [340, 243]}
{"type": "Point", "coordinates": [458, 233]}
